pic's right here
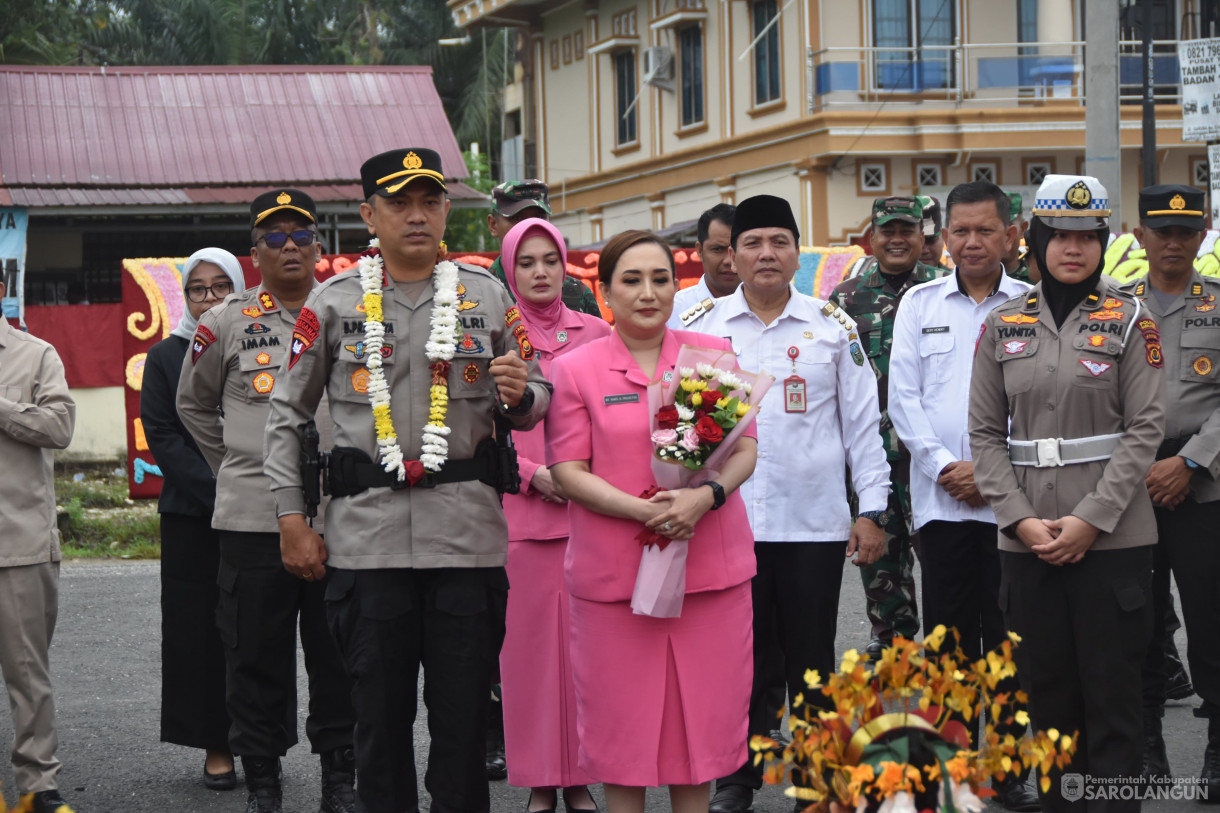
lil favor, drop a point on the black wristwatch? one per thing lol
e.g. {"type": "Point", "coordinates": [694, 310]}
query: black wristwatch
{"type": "Point", "coordinates": [717, 494]}
{"type": "Point", "coordinates": [523, 406]}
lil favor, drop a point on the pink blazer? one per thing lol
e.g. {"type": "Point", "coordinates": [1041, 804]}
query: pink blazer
{"type": "Point", "coordinates": [599, 413]}
{"type": "Point", "coordinates": [529, 518]}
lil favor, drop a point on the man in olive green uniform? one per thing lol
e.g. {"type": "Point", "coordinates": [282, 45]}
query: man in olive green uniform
{"type": "Point", "coordinates": [1016, 263]}
{"type": "Point", "coordinates": [235, 363]}
{"type": "Point", "coordinates": [1182, 482]}
{"type": "Point", "coordinates": [37, 415]}
{"type": "Point", "coordinates": [417, 540]}
{"type": "Point", "coordinates": [514, 201]}
{"type": "Point", "coordinates": [872, 298]}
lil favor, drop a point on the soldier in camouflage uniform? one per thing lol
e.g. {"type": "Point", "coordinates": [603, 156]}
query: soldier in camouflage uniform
{"type": "Point", "coordinates": [1016, 264]}
{"type": "Point", "coordinates": [872, 298]}
{"type": "Point", "coordinates": [933, 241]}
{"type": "Point", "coordinates": [515, 201]}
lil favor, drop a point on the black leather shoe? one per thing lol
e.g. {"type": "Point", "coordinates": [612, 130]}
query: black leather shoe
{"type": "Point", "coordinates": [875, 647]}
{"type": "Point", "coordinates": [1015, 794]}
{"type": "Point", "coordinates": [1155, 765]}
{"type": "Point", "coordinates": [497, 766]}
{"type": "Point", "coordinates": [338, 781]}
{"type": "Point", "coordinates": [1177, 683]}
{"type": "Point", "coordinates": [263, 783]}
{"type": "Point", "coordinates": [44, 801]}
{"type": "Point", "coordinates": [220, 781]}
{"type": "Point", "coordinates": [732, 799]}
{"type": "Point", "coordinates": [1209, 777]}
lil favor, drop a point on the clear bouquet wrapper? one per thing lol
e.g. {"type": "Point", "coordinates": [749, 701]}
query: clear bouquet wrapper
{"type": "Point", "coordinates": [696, 419]}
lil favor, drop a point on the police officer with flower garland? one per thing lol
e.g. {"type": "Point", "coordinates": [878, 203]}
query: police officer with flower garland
{"type": "Point", "coordinates": [235, 362]}
{"type": "Point", "coordinates": [1182, 482]}
{"type": "Point", "coordinates": [418, 356]}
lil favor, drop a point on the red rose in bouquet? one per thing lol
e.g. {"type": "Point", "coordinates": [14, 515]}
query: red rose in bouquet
{"type": "Point", "coordinates": [667, 417]}
{"type": "Point", "coordinates": [708, 430]}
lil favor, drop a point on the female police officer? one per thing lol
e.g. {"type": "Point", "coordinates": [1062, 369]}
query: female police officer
{"type": "Point", "coordinates": [1072, 366]}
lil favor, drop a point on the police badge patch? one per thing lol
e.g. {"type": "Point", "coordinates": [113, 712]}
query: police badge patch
{"type": "Point", "coordinates": [304, 334]}
{"type": "Point", "coordinates": [204, 339]}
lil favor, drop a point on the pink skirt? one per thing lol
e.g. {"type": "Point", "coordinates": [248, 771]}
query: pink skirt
{"type": "Point", "coordinates": [663, 701]}
{"type": "Point", "coordinates": [540, 741]}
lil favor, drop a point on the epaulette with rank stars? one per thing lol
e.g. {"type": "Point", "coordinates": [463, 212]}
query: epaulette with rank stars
{"type": "Point", "coordinates": [833, 311]}
{"type": "Point", "coordinates": [697, 310]}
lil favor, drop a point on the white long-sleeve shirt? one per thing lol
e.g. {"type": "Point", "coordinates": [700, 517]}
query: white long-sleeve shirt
{"type": "Point", "coordinates": [935, 332]}
{"type": "Point", "coordinates": [798, 492]}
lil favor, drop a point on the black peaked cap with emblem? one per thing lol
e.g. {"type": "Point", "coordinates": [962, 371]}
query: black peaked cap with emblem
{"type": "Point", "coordinates": [386, 174]}
{"type": "Point", "coordinates": [278, 200]}
{"type": "Point", "coordinates": [764, 212]}
{"type": "Point", "coordinates": [1171, 204]}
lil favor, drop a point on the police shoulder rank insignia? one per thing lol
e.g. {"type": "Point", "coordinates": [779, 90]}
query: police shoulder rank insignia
{"type": "Point", "coordinates": [360, 381]}
{"type": "Point", "coordinates": [1196, 288]}
{"type": "Point", "coordinates": [1095, 367]}
{"type": "Point", "coordinates": [695, 311]}
{"type": "Point", "coordinates": [1202, 365]}
{"type": "Point", "coordinates": [204, 339]}
{"type": "Point", "coordinates": [469, 344]}
{"type": "Point", "coordinates": [463, 305]}
{"type": "Point", "coordinates": [523, 342]}
{"type": "Point", "coordinates": [1019, 319]}
{"type": "Point", "coordinates": [1105, 315]}
{"type": "Point", "coordinates": [267, 301]}
{"type": "Point", "coordinates": [263, 382]}
{"type": "Point", "coordinates": [1111, 302]}
{"type": "Point", "coordinates": [253, 312]}
{"type": "Point", "coordinates": [304, 334]}
{"type": "Point", "coordinates": [471, 373]}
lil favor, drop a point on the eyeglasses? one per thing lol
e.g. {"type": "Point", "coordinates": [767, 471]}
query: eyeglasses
{"type": "Point", "coordinates": [198, 293]}
{"type": "Point", "coordinates": [277, 239]}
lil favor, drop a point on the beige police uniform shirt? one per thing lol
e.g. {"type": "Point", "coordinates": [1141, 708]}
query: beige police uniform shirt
{"type": "Point", "coordinates": [235, 362]}
{"type": "Point", "coordinates": [37, 415]}
{"type": "Point", "coordinates": [1190, 339]}
{"type": "Point", "coordinates": [1098, 374]}
{"type": "Point", "coordinates": [453, 525]}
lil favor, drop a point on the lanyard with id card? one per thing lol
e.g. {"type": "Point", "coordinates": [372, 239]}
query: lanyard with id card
{"type": "Point", "coordinates": [794, 386]}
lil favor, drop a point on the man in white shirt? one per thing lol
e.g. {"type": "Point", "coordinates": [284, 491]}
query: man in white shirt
{"type": "Point", "coordinates": [820, 416]}
{"type": "Point", "coordinates": [930, 367]}
{"type": "Point", "coordinates": [719, 278]}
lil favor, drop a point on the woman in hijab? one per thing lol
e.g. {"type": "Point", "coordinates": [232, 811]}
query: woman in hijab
{"type": "Point", "coordinates": [539, 695]}
{"type": "Point", "coordinates": [1073, 366]}
{"type": "Point", "coordinates": [192, 659]}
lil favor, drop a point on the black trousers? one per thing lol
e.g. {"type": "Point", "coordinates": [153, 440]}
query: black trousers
{"type": "Point", "coordinates": [257, 615]}
{"type": "Point", "coordinates": [1084, 629]}
{"type": "Point", "coordinates": [1188, 544]}
{"type": "Point", "coordinates": [388, 624]}
{"type": "Point", "coordinates": [796, 607]}
{"type": "Point", "coordinates": [192, 657]}
{"type": "Point", "coordinates": [960, 580]}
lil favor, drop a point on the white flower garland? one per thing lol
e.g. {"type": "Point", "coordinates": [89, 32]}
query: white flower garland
{"type": "Point", "coordinates": [442, 342]}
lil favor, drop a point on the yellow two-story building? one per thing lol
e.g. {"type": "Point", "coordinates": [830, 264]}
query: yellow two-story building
{"type": "Point", "coordinates": [643, 113]}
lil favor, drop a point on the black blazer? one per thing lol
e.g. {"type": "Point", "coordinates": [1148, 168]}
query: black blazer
{"type": "Point", "coordinates": [189, 486]}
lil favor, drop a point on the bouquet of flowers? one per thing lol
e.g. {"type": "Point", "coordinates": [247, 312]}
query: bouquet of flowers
{"type": "Point", "coordinates": [697, 416]}
{"type": "Point", "coordinates": [895, 740]}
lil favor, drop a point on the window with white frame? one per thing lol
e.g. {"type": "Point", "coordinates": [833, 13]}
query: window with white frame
{"type": "Point", "coordinates": [984, 172]}
{"type": "Point", "coordinates": [873, 178]}
{"type": "Point", "coordinates": [1036, 172]}
{"type": "Point", "coordinates": [929, 175]}
{"type": "Point", "coordinates": [690, 70]}
{"type": "Point", "coordinates": [624, 98]}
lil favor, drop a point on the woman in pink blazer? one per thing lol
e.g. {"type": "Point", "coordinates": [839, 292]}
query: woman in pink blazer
{"type": "Point", "coordinates": [535, 672]}
{"type": "Point", "coordinates": [660, 701]}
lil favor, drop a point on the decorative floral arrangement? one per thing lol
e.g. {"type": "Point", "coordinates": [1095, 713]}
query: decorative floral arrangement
{"type": "Point", "coordinates": [709, 402]}
{"type": "Point", "coordinates": [895, 740]}
{"type": "Point", "coordinates": [442, 341]}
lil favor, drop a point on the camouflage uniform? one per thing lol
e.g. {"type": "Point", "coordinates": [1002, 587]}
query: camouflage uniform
{"type": "Point", "coordinates": [1021, 272]}
{"type": "Point", "coordinates": [575, 294]}
{"type": "Point", "coordinates": [889, 586]}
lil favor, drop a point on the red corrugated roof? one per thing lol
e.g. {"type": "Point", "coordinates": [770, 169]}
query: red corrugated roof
{"type": "Point", "coordinates": [70, 133]}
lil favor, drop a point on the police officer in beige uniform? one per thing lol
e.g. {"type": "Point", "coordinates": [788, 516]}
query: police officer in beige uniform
{"type": "Point", "coordinates": [1185, 494]}
{"type": "Point", "coordinates": [417, 539]}
{"type": "Point", "coordinates": [1075, 365]}
{"type": "Point", "coordinates": [234, 363]}
{"type": "Point", "coordinates": [36, 416]}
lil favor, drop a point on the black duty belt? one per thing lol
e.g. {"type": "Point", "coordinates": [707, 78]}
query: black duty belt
{"type": "Point", "coordinates": [351, 471]}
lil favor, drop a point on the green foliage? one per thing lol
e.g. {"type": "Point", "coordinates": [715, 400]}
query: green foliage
{"type": "Point", "coordinates": [97, 519]}
{"type": "Point", "coordinates": [466, 229]}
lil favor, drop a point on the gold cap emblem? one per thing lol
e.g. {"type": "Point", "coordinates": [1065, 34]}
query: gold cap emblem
{"type": "Point", "coordinates": [1178, 202]}
{"type": "Point", "coordinates": [1078, 196]}
{"type": "Point", "coordinates": [412, 161]}
{"type": "Point", "coordinates": [283, 199]}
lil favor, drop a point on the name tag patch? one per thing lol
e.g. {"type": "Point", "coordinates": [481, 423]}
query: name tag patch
{"type": "Point", "coordinates": [625, 398]}
{"type": "Point", "coordinates": [937, 329]}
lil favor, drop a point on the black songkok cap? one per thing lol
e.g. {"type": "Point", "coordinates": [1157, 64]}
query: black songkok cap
{"type": "Point", "coordinates": [387, 173]}
{"type": "Point", "coordinates": [1170, 204]}
{"type": "Point", "coordinates": [763, 212]}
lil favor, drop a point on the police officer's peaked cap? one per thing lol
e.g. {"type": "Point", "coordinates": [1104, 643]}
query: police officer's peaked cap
{"type": "Point", "coordinates": [1166, 205]}
{"type": "Point", "coordinates": [512, 197]}
{"type": "Point", "coordinates": [386, 174]}
{"type": "Point", "coordinates": [902, 209]}
{"type": "Point", "coordinates": [762, 212]}
{"type": "Point", "coordinates": [278, 200]}
{"type": "Point", "coordinates": [1072, 203]}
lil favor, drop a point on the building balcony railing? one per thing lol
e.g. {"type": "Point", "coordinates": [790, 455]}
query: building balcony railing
{"type": "Point", "coordinates": [978, 74]}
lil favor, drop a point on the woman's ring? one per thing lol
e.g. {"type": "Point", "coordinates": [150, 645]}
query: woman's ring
{"type": "Point", "coordinates": [665, 526]}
